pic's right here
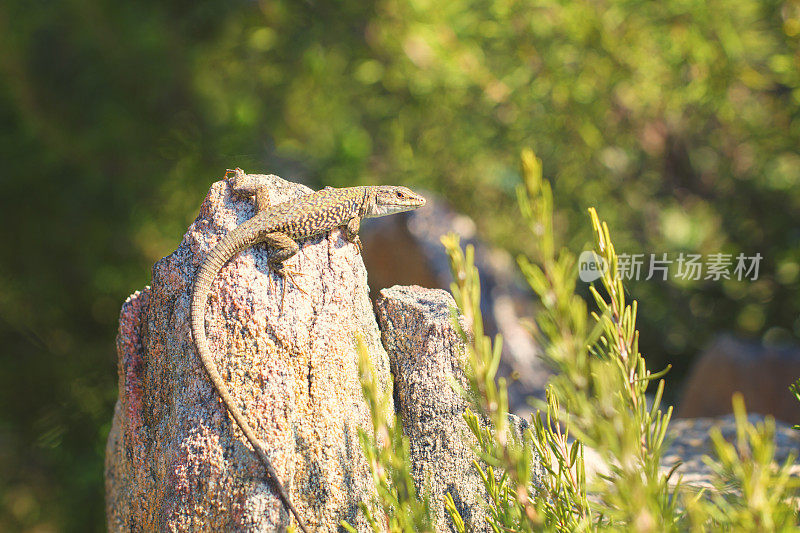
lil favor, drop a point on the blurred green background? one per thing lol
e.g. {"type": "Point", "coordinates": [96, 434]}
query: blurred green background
{"type": "Point", "coordinates": [679, 120]}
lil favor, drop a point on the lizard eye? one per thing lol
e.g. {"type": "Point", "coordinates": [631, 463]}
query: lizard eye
{"type": "Point", "coordinates": [399, 194]}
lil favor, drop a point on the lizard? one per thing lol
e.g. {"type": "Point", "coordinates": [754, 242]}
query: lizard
{"type": "Point", "coordinates": [280, 227]}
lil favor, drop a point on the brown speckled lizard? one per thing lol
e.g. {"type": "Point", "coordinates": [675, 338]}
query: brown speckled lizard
{"type": "Point", "coordinates": [280, 226]}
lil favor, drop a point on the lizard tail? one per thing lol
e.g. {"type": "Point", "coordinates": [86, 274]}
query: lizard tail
{"type": "Point", "coordinates": [225, 249]}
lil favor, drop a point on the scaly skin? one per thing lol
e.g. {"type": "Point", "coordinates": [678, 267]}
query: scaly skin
{"type": "Point", "coordinates": [280, 226]}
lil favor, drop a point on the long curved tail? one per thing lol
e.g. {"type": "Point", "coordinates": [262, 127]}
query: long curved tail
{"type": "Point", "coordinates": [225, 249]}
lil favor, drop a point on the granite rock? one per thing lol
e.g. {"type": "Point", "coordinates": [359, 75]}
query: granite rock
{"type": "Point", "coordinates": [427, 357]}
{"type": "Point", "coordinates": [175, 460]}
{"type": "Point", "coordinates": [689, 441]}
{"type": "Point", "coordinates": [407, 250]}
{"type": "Point", "coordinates": [761, 373]}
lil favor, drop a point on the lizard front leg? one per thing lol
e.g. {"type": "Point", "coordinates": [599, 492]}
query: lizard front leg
{"type": "Point", "coordinates": [351, 231]}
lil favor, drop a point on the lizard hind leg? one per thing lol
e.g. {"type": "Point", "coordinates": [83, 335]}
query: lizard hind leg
{"type": "Point", "coordinates": [249, 185]}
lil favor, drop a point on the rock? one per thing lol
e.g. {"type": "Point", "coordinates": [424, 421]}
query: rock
{"type": "Point", "coordinates": [762, 374]}
{"type": "Point", "coordinates": [175, 460]}
{"type": "Point", "coordinates": [427, 354]}
{"type": "Point", "coordinates": [407, 250]}
{"type": "Point", "coordinates": [691, 442]}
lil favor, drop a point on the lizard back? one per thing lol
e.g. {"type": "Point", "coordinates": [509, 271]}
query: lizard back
{"type": "Point", "coordinates": [314, 213]}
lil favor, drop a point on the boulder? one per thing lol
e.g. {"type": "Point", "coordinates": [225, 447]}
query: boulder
{"type": "Point", "coordinates": [175, 459]}
{"type": "Point", "coordinates": [427, 357]}
{"type": "Point", "coordinates": [761, 373]}
{"type": "Point", "coordinates": [407, 250]}
{"type": "Point", "coordinates": [689, 441]}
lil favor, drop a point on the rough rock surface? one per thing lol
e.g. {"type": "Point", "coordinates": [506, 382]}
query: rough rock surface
{"type": "Point", "coordinates": [406, 250]}
{"type": "Point", "coordinates": [427, 355]}
{"type": "Point", "coordinates": [175, 460]}
{"type": "Point", "coordinates": [692, 441]}
{"type": "Point", "coordinates": [762, 374]}
{"type": "Point", "coordinates": [689, 441]}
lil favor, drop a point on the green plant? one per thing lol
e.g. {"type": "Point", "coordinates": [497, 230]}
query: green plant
{"type": "Point", "coordinates": [751, 492]}
{"type": "Point", "coordinates": [794, 388]}
{"type": "Point", "coordinates": [397, 506]}
{"type": "Point", "coordinates": [598, 396]}
{"type": "Point", "coordinates": [596, 399]}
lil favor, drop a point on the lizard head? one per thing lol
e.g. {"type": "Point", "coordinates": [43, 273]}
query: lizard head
{"type": "Point", "coordinates": [390, 199]}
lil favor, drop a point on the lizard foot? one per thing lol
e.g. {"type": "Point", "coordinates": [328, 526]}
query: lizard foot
{"type": "Point", "coordinates": [357, 241]}
{"type": "Point", "coordinates": [285, 273]}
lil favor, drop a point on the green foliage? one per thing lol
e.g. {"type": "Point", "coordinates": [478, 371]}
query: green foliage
{"type": "Point", "coordinates": [397, 506]}
{"type": "Point", "coordinates": [750, 492]}
{"type": "Point", "coordinates": [598, 396]}
{"type": "Point", "coordinates": [508, 494]}
{"type": "Point", "coordinates": [452, 511]}
{"type": "Point", "coordinates": [497, 446]}
{"type": "Point", "coordinates": [794, 388]}
{"type": "Point", "coordinates": [601, 383]}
